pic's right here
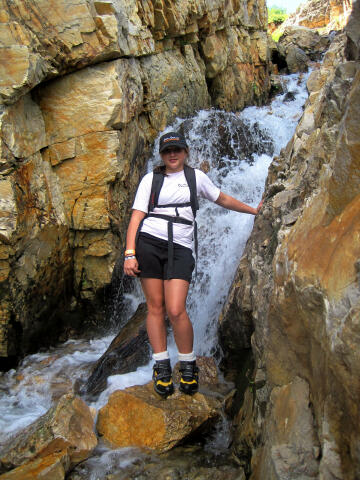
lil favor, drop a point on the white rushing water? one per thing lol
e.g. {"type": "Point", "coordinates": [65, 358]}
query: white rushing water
{"type": "Point", "coordinates": [225, 141]}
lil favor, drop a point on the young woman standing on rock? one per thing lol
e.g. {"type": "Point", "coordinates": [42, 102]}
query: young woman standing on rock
{"type": "Point", "coordinates": [161, 255]}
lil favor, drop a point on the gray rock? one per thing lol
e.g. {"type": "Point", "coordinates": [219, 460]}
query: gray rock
{"type": "Point", "coordinates": [296, 59]}
{"type": "Point", "coordinates": [129, 349]}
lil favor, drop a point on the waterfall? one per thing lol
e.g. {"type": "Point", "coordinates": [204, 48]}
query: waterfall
{"type": "Point", "coordinates": [237, 149]}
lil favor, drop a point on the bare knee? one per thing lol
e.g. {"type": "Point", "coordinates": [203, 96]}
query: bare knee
{"type": "Point", "coordinates": [156, 309]}
{"type": "Point", "coordinates": [176, 313]}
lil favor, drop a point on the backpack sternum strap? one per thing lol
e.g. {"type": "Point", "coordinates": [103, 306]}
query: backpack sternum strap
{"type": "Point", "coordinates": [169, 218]}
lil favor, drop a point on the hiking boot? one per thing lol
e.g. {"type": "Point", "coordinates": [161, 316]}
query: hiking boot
{"type": "Point", "coordinates": [163, 384]}
{"type": "Point", "coordinates": [189, 381]}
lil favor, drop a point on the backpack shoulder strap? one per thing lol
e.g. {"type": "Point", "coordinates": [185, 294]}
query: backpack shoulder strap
{"type": "Point", "coordinates": [191, 180]}
{"type": "Point", "coordinates": [157, 183]}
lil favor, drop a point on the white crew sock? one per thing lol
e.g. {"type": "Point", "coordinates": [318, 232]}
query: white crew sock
{"type": "Point", "coordinates": [161, 356]}
{"type": "Point", "coordinates": [187, 357]}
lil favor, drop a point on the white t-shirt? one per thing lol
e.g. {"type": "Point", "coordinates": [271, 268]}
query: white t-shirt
{"type": "Point", "coordinates": [174, 190]}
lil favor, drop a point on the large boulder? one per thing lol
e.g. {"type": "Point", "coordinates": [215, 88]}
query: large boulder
{"type": "Point", "coordinates": [296, 59]}
{"type": "Point", "coordinates": [297, 47]}
{"type": "Point", "coordinates": [310, 41]}
{"type": "Point", "coordinates": [61, 438]}
{"type": "Point", "coordinates": [137, 416]}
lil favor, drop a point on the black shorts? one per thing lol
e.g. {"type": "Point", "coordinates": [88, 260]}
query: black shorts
{"type": "Point", "coordinates": [152, 255]}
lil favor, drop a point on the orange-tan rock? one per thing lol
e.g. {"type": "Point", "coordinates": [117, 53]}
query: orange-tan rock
{"type": "Point", "coordinates": [51, 38]}
{"type": "Point", "coordinates": [137, 416]}
{"type": "Point", "coordinates": [58, 440]}
{"type": "Point", "coordinates": [50, 467]}
{"type": "Point", "coordinates": [46, 40]}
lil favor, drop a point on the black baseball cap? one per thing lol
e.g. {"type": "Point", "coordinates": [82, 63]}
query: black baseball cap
{"type": "Point", "coordinates": [172, 139]}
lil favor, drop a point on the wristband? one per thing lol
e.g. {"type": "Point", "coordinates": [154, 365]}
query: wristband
{"type": "Point", "coordinates": [130, 257]}
{"type": "Point", "coordinates": [129, 252]}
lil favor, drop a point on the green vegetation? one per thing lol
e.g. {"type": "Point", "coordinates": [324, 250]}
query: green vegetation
{"type": "Point", "coordinates": [276, 34]}
{"type": "Point", "coordinates": [277, 15]}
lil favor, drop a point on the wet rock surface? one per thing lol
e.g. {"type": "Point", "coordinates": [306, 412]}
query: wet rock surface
{"type": "Point", "coordinates": [52, 467]}
{"type": "Point", "coordinates": [233, 137]}
{"type": "Point", "coordinates": [193, 462]}
{"type": "Point", "coordinates": [57, 441]}
{"type": "Point", "coordinates": [129, 349]}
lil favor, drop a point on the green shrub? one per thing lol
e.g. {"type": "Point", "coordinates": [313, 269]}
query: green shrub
{"type": "Point", "coordinates": [277, 15]}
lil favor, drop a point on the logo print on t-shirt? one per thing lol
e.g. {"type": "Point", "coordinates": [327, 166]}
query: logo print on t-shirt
{"type": "Point", "coordinates": [182, 184]}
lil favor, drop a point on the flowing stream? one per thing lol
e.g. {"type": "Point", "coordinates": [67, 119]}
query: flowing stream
{"type": "Point", "coordinates": [236, 149]}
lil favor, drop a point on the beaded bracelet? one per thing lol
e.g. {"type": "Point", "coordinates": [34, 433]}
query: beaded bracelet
{"type": "Point", "coordinates": [130, 257]}
{"type": "Point", "coordinates": [129, 252]}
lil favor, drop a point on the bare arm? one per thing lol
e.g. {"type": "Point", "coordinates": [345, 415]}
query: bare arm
{"type": "Point", "coordinates": [231, 203]}
{"type": "Point", "coordinates": [131, 266]}
{"type": "Point", "coordinates": [134, 223]}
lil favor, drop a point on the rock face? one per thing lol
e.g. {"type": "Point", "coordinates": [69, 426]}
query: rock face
{"type": "Point", "coordinates": [299, 284]}
{"type": "Point", "coordinates": [85, 88]}
{"type": "Point", "coordinates": [305, 35]}
{"type": "Point", "coordinates": [54, 443]}
{"type": "Point", "coordinates": [327, 15]}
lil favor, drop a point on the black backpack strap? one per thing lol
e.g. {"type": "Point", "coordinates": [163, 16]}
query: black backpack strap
{"type": "Point", "coordinates": [191, 180]}
{"type": "Point", "coordinates": [157, 183]}
{"type": "Point", "coordinates": [190, 176]}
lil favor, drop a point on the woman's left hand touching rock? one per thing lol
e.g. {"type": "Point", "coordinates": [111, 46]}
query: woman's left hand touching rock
{"type": "Point", "coordinates": [259, 207]}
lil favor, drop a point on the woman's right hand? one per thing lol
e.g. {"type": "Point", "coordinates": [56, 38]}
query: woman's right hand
{"type": "Point", "coordinates": [131, 267]}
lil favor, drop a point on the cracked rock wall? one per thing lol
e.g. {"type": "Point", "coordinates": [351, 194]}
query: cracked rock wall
{"type": "Point", "coordinates": [298, 284]}
{"type": "Point", "coordinates": [85, 87]}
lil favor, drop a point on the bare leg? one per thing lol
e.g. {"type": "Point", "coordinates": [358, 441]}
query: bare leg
{"type": "Point", "coordinates": [153, 289]}
{"type": "Point", "coordinates": [176, 291]}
